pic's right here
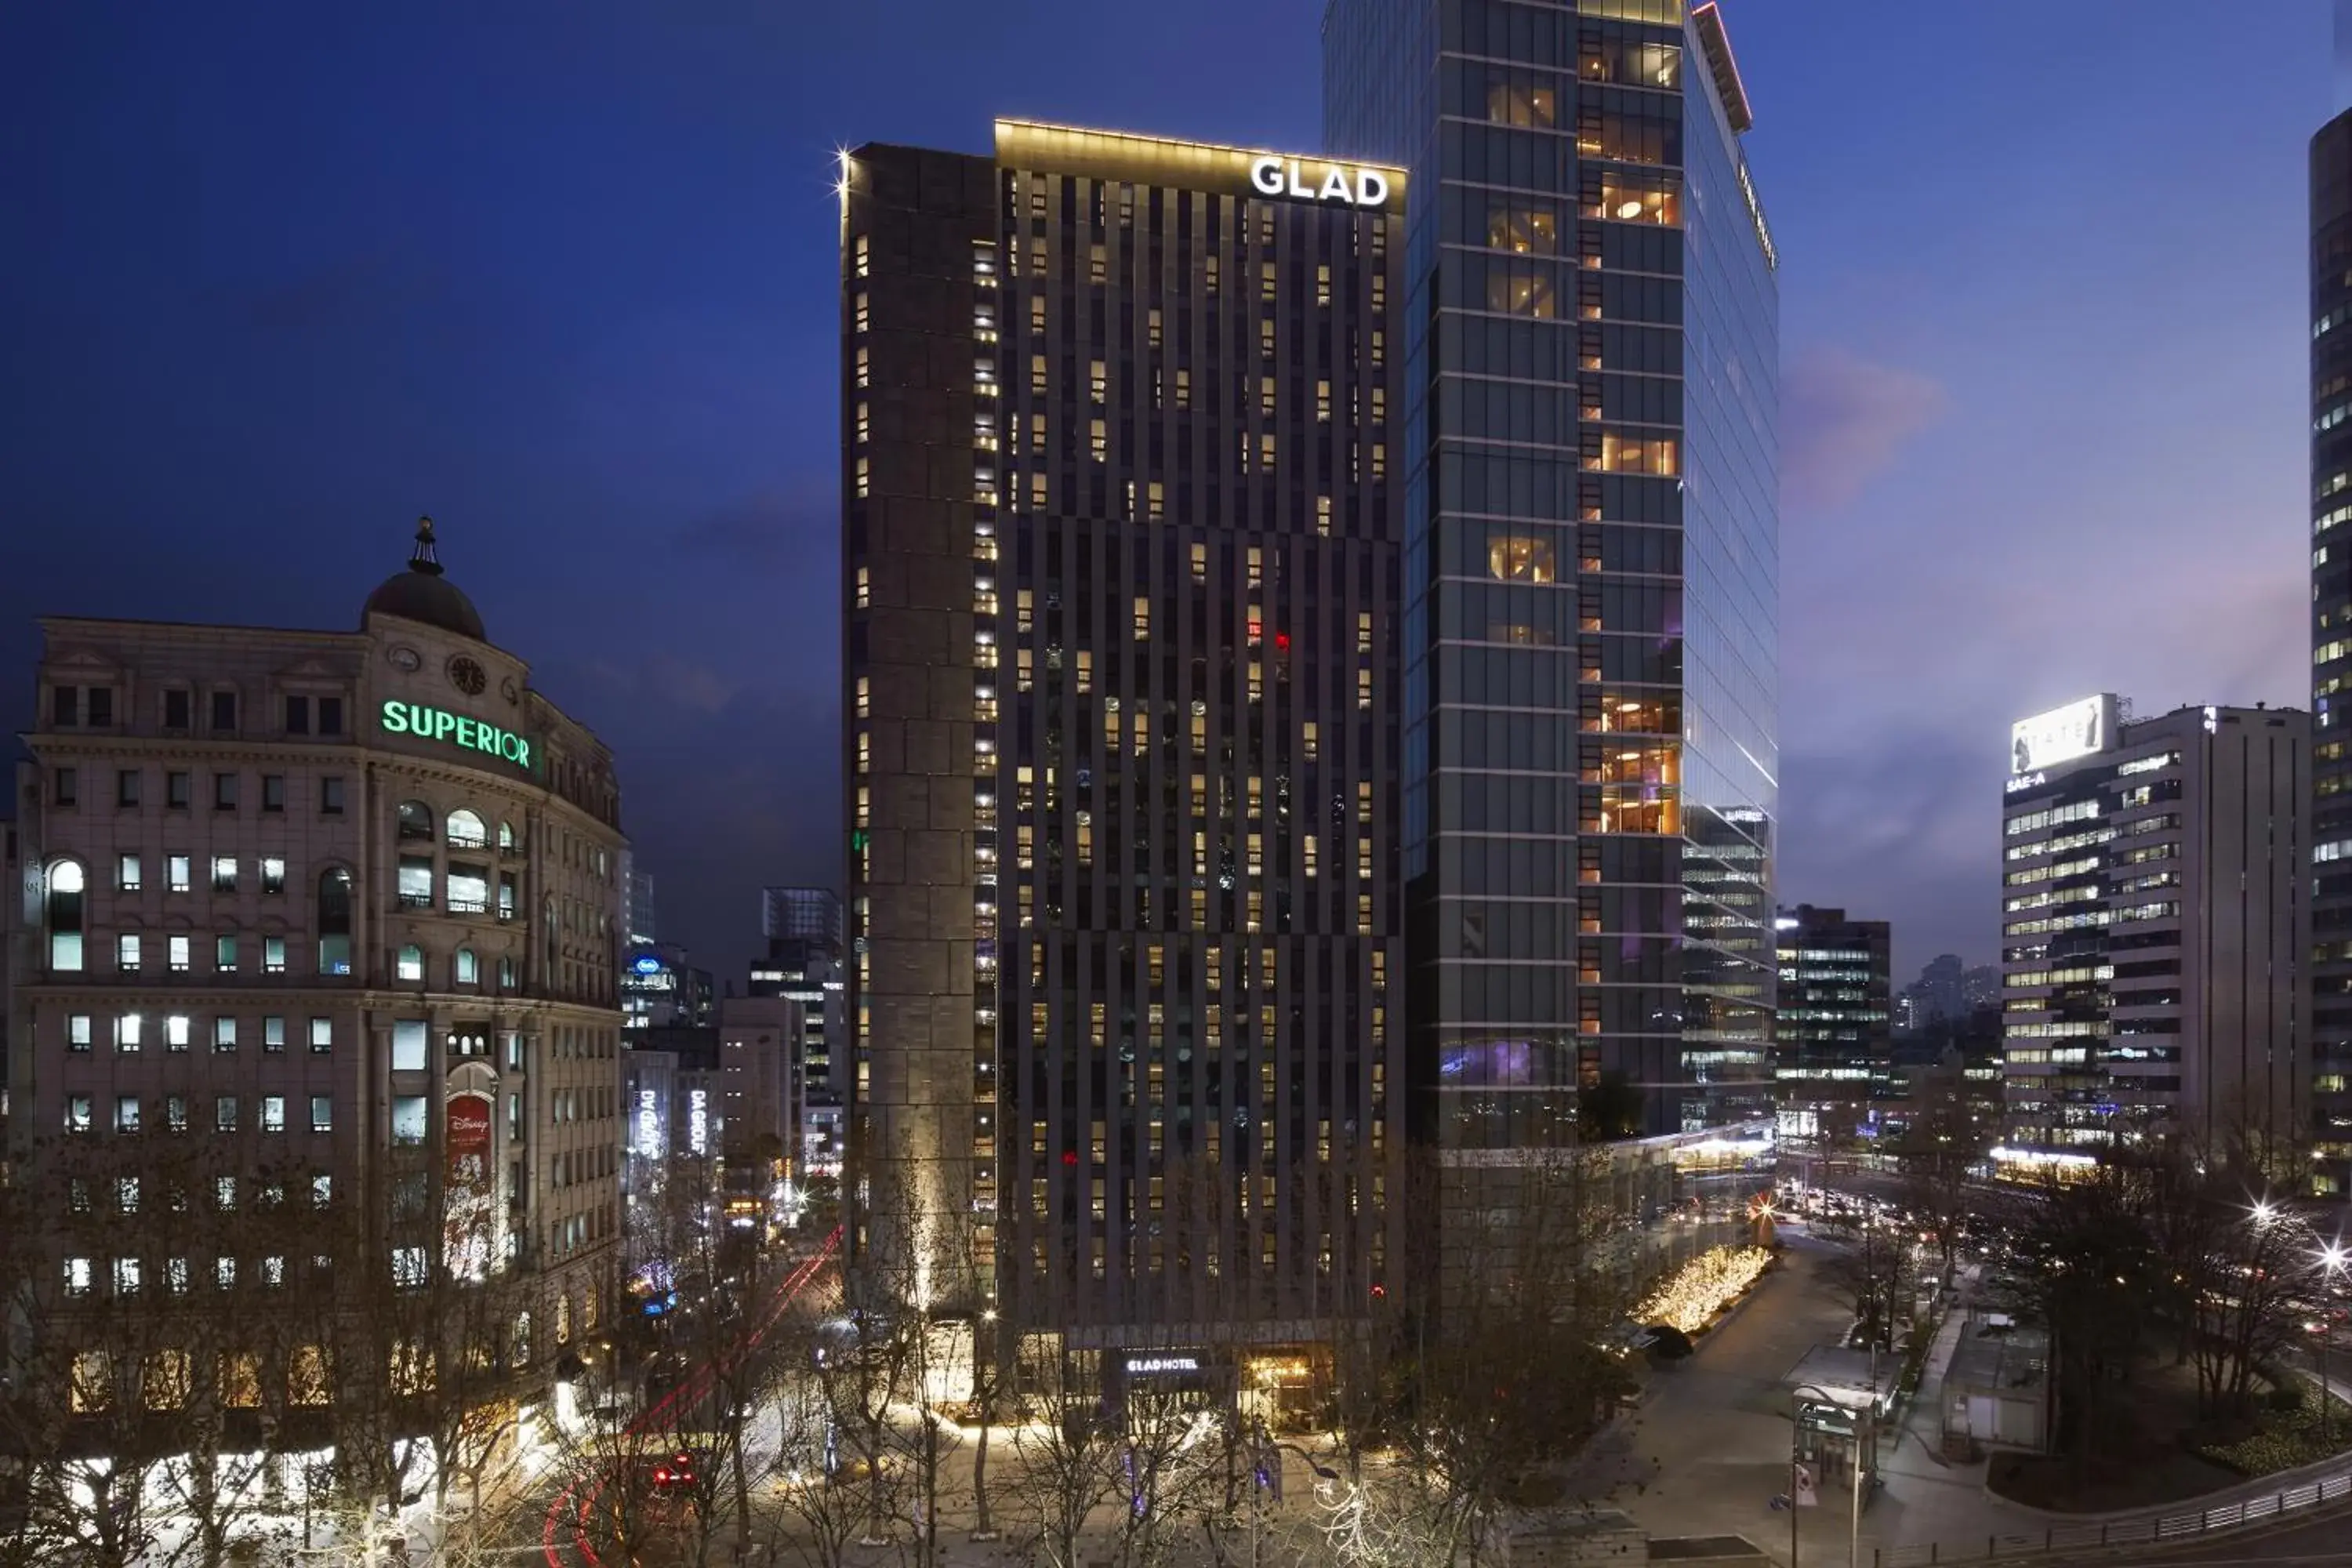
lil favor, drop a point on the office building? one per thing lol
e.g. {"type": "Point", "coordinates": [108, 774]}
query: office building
{"type": "Point", "coordinates": [2331, 651]}
{"type": "Point", "coordinates": [1122, 567]}
{"type": "Point", "coordinates": [637, 925]}
{"type": "Point", "coordinates": [1590, 462]}
{"type": "Point", "coordinates": [1835, 1049]}
{"type": "Point", "coordinates": [340, 903]}
{"type": "Point", "coordinates": [804, 927]}
{"type": "Point", "coordinates": [2152, 908]}
{"type": "Point", "coordinates": [660, 989]}
{"type": "Point", "coordinates": [1938, 993]}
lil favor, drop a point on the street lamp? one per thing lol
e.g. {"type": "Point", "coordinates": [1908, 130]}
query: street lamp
{"type": "Point", "coordinates": [2332, 1260]}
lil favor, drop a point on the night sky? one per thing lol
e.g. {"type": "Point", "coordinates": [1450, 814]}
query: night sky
{"type": "Point", "coordinates": [277, 277]}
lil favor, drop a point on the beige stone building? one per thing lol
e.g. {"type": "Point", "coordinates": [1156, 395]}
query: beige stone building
{"type": "Point", "coordinates": [345, 902]}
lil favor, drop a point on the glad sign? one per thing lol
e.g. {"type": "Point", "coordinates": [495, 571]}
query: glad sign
{"type": "Point", "coordinates": [430, 724]}
{"type": "Point", "coordinates": [1318, 183]}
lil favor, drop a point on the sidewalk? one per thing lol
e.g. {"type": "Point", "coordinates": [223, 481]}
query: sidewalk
{"type": "Point", "coordinates": [1709, 1448]}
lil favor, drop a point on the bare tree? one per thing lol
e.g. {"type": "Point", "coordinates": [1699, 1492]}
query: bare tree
{"type": "Point", "coordinates": [1067, 1462]}
{"type": "Point", "coordinates": [1874, 1268]}
{"type": "Point", "coordinates": [2089, 1274]}
{"type": "Point", "coordinates": [1937, 1149]}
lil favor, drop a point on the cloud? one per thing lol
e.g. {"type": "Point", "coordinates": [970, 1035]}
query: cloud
{"type": "Point", "coordinates": [1844, 421]}
{"type": "Point", "coordinates": [768, 531]}
{"type": "Point", "coordinates": [666, 679]}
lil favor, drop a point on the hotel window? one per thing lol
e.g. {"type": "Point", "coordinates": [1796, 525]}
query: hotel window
{"type": "Point", "coordinates": [273, 874]}
{"type": "Point", "coordinates": [126, 873]}
{"type": "Point", "coordinates": [1142, 618]}
{"type": "Point", "coordinates": [1183, 388]}
{"type": "Point", "coordinates": [126, 953]}
{"type": "Point", "coordinates": [863, 476]}
{"type": "Point", "coordinates": [1323, 516]}
{"type": "Point", "coordinates": [1630, 198]}
{"type": "Point", "coordinates": [1098, 379]}
{"type": "Point", "coordinates": [224, 1034]}
{"type": "Point", "coordinates": [298, 715]}
{"type": "Point", "coordinates": [273, 1035]}
{"type": "Point", "coordinates": [330, 797]}
{"type": "Point", "coordinates": [223, 873]}
{"type": "Point", "coordinates": [1523, 230]}
{"type": "Point", "coordinates": [862, 316]}
{"type": "Point", "coordinates": [273, 956]}
{"type": "Point", "coordinates": [127, 1038]}
{"type": "Point", "coordinates": [865, 366]}
{"type": "Point", "coordinates": [1098, 440]}
{"type": "Point", "coordinates": [224, 792]}
{"type": "Point", "coordinates": [224, 712]}
{"type": "Point", "coordinates": [1519, 291]}
{"type": "Point", "coordinates": [322, 1113]}
{"type": "Point", "coordinates": [865, 422]}
{"type": "Point", "coordinates": [273, 1113]}
{"type": "Point", "coordinates": [1266, 288]}
{"type": "Point", "coordinates": [1152, 326]}
{"type": "Point", "coordinates": [1323, 401]}
{"type": "Point", "coordinates": [1266, 396]}
{"type": "Point", "coordinates": [126, 786]}
{"type": "Point", "coordinates": [864, 589]}
{"type": "Point", "coordinates": [1208, 273]}
{"type": "Point", "coordinates": [176, 954]}
{"type": "Point", "coordinates": [1323, 284]}
{"type": "Point", "coordinates": [330, 715]}
{"type": "Point", "coordinates": [177, 791]}
{"type": "Point", "coordinates": [65, 787]}
{"type": "Point", "coordinates": [1266, 339]}
{"type": "Point", "coordinates": [1522, 101]}
{"type": "Point", "coordinates": [224, 1121]}
{"type": "Point", "coordinates": [65, 707]}
{"type": "Point", "coordinates": [322, 1036]}
{"type": "Point", "coordinates": [1630, 454]}
{"type": "Point", "coordinates": [1098, 264]}
{"type": "Point", "coordinates": [1520, 558]}
{"type": "Point", "coordinates": [1155, 501]}
{"type": "Point", "coordinates": [78, 1033]}
{"type": "Point", "coordinates": [860, 253]}
{"type": "Point", "coordinates": [411, 963]}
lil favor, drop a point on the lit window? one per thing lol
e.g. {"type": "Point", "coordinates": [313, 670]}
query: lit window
{"type": "Point", "coordinates": [126, 953]}
{"type": "Point", "coordinates": [411, 964]}
{"type": "Point", "coordinates": [126, 873]}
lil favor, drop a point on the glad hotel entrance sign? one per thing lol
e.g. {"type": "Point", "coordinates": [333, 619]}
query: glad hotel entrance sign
{"type": "Point", "coordinates": [439, 724]}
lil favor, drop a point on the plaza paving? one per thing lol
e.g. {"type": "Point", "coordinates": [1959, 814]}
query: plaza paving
{"type": "Point", "coordinates": [1707, 1450]}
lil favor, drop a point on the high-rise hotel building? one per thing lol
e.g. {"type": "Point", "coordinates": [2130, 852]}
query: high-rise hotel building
{"type": "Point", "coordinates": [338, 903]}
{"type": "Point", "coordinates": [1123, 509]}
{"type": "Point", "coordinates": [2153, 907]}
{"type": "Point", "coordinates": [1588, 455]}
{"type": "Point", "coordinates": [2331, 651]}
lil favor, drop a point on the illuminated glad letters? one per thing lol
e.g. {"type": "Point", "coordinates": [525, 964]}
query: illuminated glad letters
{"type": "Point", "coordinates": [1287, 178]}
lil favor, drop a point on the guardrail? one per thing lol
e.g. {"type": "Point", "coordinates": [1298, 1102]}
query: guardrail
{"type": "Point", "coordinates": [2159, 1529]}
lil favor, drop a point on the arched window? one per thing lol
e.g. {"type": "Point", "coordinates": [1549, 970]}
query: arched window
{"type": "Point", "coordinates": [63, 914]}
{"type": "Point", "coordinates": [468, 972]}
{"type": "Point", "coordinates": [415, 819]}
{"type": "Point", "coordinates": [411, 963]}
{"type": "Point", "coordinates": [335, 922]}
{"type": "Point", "coordinates": [508, 842]}
{"type": "Point", "coordinates": [464, 830]}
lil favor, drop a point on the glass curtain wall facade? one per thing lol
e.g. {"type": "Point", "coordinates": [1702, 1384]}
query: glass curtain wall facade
{"type": "Point", "coordinates": [1592, 583]}
{"type": "Point", "coordinates": [2331, 651]}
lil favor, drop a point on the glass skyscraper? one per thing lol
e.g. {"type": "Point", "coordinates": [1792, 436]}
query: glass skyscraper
{"type": "Point", "coordinates": [1592, 560]}
{"type": "Point", "coordinates": [2331, 651]}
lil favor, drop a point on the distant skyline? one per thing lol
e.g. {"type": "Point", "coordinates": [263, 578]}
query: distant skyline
{"type": "Point", "coordinates": [563, 277]}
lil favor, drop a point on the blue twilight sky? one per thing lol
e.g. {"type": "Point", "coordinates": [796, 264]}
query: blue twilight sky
{"type": "Point", "coordinates": [276, 278]}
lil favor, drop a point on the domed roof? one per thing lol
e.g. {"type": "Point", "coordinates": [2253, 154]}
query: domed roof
{"type": "Point", "coordinates": [423, 593]}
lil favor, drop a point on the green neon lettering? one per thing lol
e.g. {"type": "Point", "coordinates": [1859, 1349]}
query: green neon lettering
{"type": "Point", "coordinates": [444, 723]}
{"type": "Point", "coordinates": [521, 753]}
{"type": "Point", "coordinates": [467, 731]}
{"type": "Point", "coordinates": [395, 723]}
